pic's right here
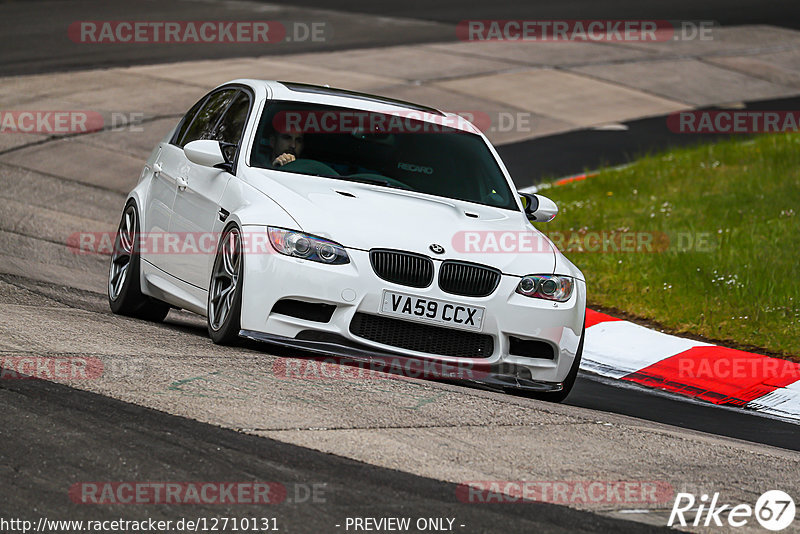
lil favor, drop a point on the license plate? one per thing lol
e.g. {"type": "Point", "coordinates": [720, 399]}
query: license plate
{"type": "Point", "coordinates": [434, 311]}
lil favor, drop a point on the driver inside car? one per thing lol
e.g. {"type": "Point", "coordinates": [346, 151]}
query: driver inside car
{"type": "Point", "coordinates": [286, 147]}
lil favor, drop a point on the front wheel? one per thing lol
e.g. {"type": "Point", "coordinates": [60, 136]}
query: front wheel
{"type": "Point", "coordinates": [225, 289]}
{"type": "Point", "coordinates": [125, 295]}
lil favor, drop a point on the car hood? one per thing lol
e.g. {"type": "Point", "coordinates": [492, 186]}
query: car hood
{"type": "Point", "coordinates": [363, 216]}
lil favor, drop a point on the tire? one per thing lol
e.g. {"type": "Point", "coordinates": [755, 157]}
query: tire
{"type": "Point", "coordinates": [225, 289]}
{"type": "Point", "coordinates": [569, 382]}
{"type": "Point", "coordinates": [125, 295]}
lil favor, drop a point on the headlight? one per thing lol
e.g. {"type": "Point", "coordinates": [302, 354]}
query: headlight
{"type": "Point", "coordinates": [544, 286]}
{"type": "Point", "coordinates": [308, 247]}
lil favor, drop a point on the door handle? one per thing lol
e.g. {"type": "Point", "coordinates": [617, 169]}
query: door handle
{"type": "Point", "coordinates": [157, 168]}
{"type": "Point", "coordinates": [183, 181]}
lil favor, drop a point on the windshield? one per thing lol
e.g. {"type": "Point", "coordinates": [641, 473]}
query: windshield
{"type": "Point", "coordinates": [397, 151]}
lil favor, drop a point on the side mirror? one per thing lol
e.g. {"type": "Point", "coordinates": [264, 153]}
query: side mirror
{"type": "Point", "coordinates": [538, 208]}
{"type": "Point", "coordinates": [205, 152]}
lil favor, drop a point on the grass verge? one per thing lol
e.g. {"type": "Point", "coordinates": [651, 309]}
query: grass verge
{"type": "Point", "coordinates": [705, 241]}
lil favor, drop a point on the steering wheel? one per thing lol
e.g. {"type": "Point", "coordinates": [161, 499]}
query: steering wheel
{"type": "Point", "coordinates": [308, 166]}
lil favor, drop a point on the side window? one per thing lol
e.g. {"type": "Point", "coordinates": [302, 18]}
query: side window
{"type": "Point", "coordinates": [186, 121]}
{"type": "Point", "coordinates": [231, 126]}
{"type": "Point", "coordinates": [202, 126]}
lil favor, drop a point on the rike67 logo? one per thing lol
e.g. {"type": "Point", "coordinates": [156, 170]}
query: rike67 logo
{"type": "Point", "coordinates": [774, 510]}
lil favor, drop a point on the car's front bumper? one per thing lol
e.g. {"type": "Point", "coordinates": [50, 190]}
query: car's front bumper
{"type": "Point", "coordinates": [354, 287]}
{"type": "Point", "coordinates": [349, 353]}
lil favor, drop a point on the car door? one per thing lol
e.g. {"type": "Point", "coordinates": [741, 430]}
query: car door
{"type": "Point", "coordinates": [172, 164]}
{"type": "Point", "coordinates": [196, 210]}
{"type": "Point", "coordinates": [161, 190]}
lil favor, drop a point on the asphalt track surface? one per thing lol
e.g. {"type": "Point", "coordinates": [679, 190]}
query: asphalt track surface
{"type": "Point", "coordinates": [34, 33]}
{"type": "Point", "coordinates": [54, 435]}
{"type": "Point", "coordinates": [579, 151]}
{"type": "Point", "coordinates": [726, 13]}
{"type": "Point", "coordinates": [611, 396]}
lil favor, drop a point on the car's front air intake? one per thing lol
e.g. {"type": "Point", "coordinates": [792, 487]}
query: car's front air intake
{"type": "Point", "coordinates": [421, 337]}
{"type": "Point", "coordinates": [468, 279]}
{"type": "Point", "coordinates": [404, 268]}
{"type": "Point", "coordinates": [310, 311]}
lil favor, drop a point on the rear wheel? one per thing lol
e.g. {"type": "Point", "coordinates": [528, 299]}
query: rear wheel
{"type": "Point", "coordinates": [225, 289]}
{"type": "Point", "coordinates": [125, 295]}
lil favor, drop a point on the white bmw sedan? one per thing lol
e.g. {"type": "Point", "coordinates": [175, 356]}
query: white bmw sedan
{"type": "Point", "coordinates": [352, 225]}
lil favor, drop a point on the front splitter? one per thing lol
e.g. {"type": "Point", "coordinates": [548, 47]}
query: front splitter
{"type": "Point", "coordinates": [475, 371]}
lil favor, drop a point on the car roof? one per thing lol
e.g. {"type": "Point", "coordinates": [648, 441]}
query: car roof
{"type": "Point", "coordinates": [332, 91]}
{"type": "Point", "coordinates": [323, 94]}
